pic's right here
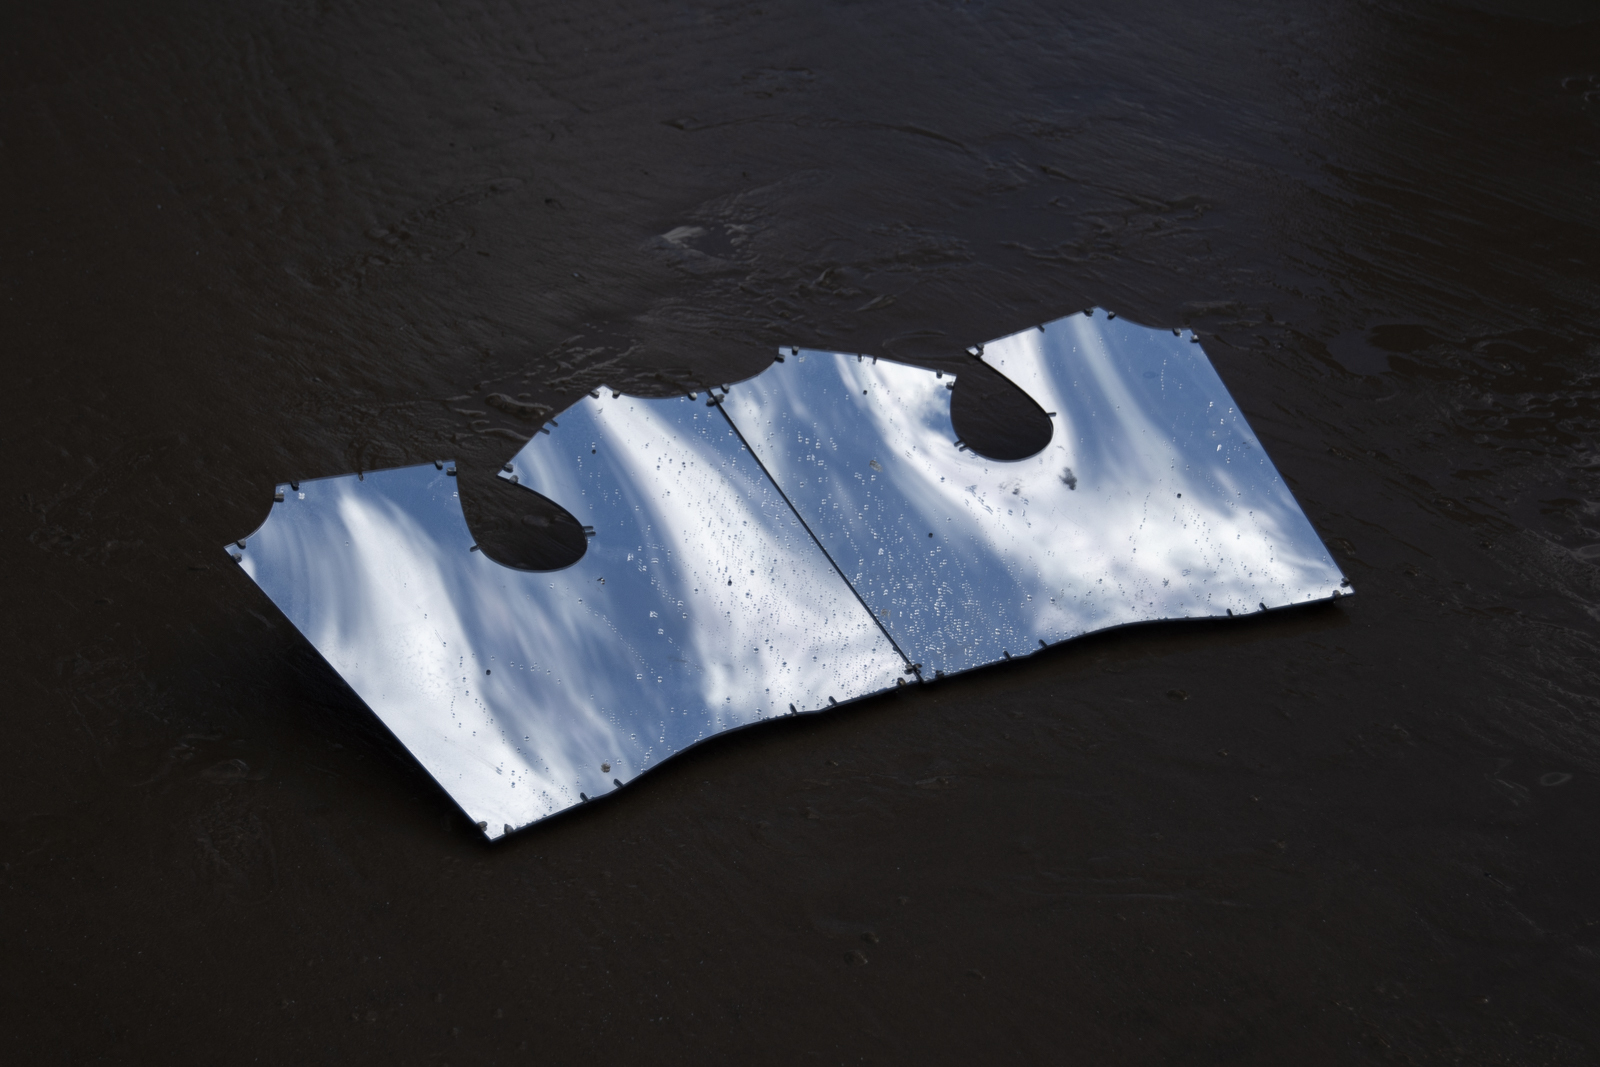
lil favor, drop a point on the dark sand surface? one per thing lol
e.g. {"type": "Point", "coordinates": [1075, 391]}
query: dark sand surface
{"type": "Point", "coordinates": [252, 241]}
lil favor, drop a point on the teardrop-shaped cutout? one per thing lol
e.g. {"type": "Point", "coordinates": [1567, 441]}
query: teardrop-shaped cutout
{"type": "Point", "coordinates": [995, 418]}
{"type": "Point", "coordinates": [517, 527]}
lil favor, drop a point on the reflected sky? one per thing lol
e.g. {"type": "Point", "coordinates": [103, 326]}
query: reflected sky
{"type": "Point", "coordinates": [1153, 500]}
{"type": "Point", "coordinates": [701, 605]}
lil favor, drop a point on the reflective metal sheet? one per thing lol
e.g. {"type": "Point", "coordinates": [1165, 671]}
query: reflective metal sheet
{"type": "Point", "coordinates": [701, 605]}
{"type": "Point", "coordinates": [1153, 500]}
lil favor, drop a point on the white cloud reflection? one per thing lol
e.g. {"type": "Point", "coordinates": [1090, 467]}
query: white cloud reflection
{"type": "Point", "coordinates": [1153, 500]}
{"type": "Point", "coordinates": [702, 603]}
{"type": "Point", "coordinates": [582, 674]}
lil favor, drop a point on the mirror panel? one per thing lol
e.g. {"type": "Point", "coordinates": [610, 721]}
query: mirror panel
{"type": "Point", "coordinates": [704, 602]}
{"type": "Point", "coordinates": [700, 606]}
{"type": "Point", "coordinates": [1153, 500]}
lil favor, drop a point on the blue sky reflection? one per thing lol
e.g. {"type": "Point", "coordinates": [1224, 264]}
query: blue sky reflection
{"type": "Point", "coordinates": [701, 605]}
{"type": "Point", "coordinates": [1153, 500]}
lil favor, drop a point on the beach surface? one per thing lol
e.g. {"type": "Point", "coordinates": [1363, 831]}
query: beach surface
{"type": "Point", "coordinates": [253, 242]}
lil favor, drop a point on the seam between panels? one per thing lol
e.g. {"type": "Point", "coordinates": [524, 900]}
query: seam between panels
{"type": "Point", "coordinates": [818, 542]}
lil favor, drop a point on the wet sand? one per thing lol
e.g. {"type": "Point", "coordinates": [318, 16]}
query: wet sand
{"type": "Point", "coordinates": [289, 240]}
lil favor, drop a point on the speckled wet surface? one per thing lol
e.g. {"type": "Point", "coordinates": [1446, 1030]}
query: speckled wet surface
{"type": "Point", "coordinates": [271, 241]}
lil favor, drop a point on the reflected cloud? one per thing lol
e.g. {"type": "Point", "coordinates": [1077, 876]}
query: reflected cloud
{"type": "Point", "coordinates": [1153, 500]}
{"type": "Point", "coordinates": [705, 603]}
{"type": "Point", "coordinates": [701, 605]}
